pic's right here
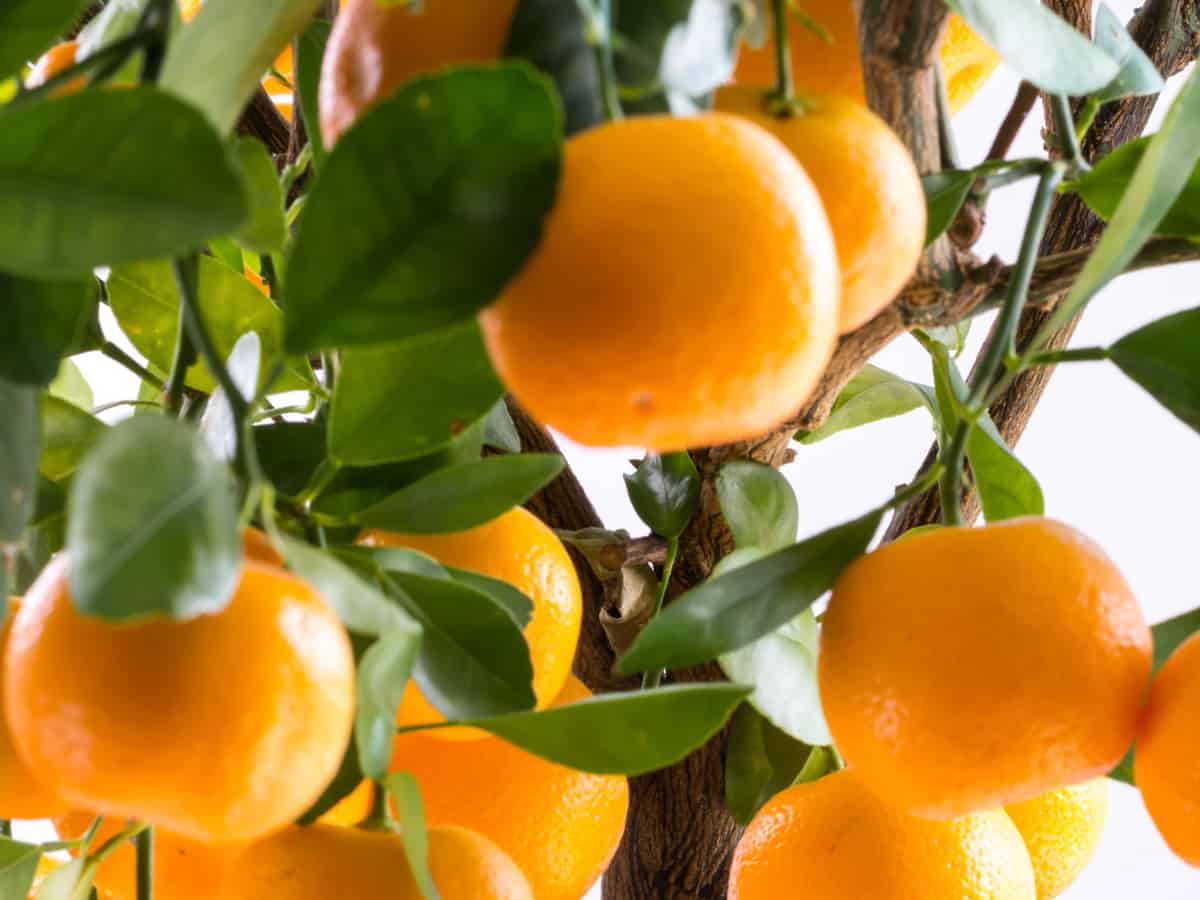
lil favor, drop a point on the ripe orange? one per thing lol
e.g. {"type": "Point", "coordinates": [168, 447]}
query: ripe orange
{"type": "Point", "coordinates": [56, 59]}
{"type": "Point", "coordinates": [22, 796]}
{"type": "Point", "coordinates": [1164, 762]}
{"type": "Point", "coordinates": [519, 549]}
{"type": "Point", "coordinates": [124, 719]}
{"type": "Point", "coordinates": [374, 49]}
{"type": "Point", "coordinates": [834, 839]}
{"type": "Point", "coordinates": [969, 668]}
{"type": "Point", "coordinates": [560, 826]}
{"type": "Point", "coordinates": [685, 292]}
{"type": "Point", "coordinates": [835, 67]}
{"type": "Point", "coordinates": [323, 861]}
{"type": "Point", "coordinates": [1062, 830]}
{"type": "Point", "coordinates": [870, 187]}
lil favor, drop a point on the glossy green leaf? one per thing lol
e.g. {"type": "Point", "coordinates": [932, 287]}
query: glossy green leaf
{"type": "Point", "coordinates": [945, 193]}
{"type": "Point", "coordinates": [117, 20]}
{"type": "Point", "coordinates": [398, 401]}
{"type": "Point", "coordinates": [554, 37]}
{"type": "Point", "coordinates": [405, 560]}
{"type": "Point", "coordinates": [18, 865]}
{"type": "Point", "coordinates": [67, 434]}
{"type": "Point", "coordinates": [70, 881]}
{"type": "Point", "coordinates": [1161, 357]}
{"type": "Point", "coordinates": [871, 396]}
{"type": "Point", "coordinates": [665, 492]}
{"type": "Point", "coordinates": [410, 816]}
{"type": "Point", "coordinates": [310, 52]}
{"type": "Point", "coordinates": [426, 208]}
{"type": "Point", "coordinates": [463, 496]}
{"type": "Point", "coordinates": [1103, 187]}
{"type": "Point", "coordinates": [474, 660]}
{"type": "Point", "coordinates": [499, 430]}
{"type": "Point", "coordinates": [623, 733]}
{"type": "Point", "coordinates": [70, 385]}
{"type": "Point", "coordinates": [289, 453]}
{"type": "Point", "coordinates": [1160, 178]}
{"type": "Point", "coordinates": [27, 27]}
{"type": "Point", "coordinates": [1006, 488]}
{"type": "Point", "coordinates": [1170, 634]}
{"type": "Point", "coordinates": [19, 439]}
{"type": "Point", "coordinates": [70, 206]}
{"type": "Point", "coordinates": [760, 761]}
{"type": "Point", "coordinates": [735, 609]}
{"type": "Point", "coordinates": [43, 321]}
{"type": "Point", "coordinates": [1043, 47]}
{"type": "Point", "coordinates": [216, 63]}
{"type": "Point", "coordinates": [263, 231]}
{"type": "Point", "coordinates": [1137, 75]}
{"type": "Point", "coordinates": [153, 525]}
{"type": "Point", "coordinates": [758, 504]}
{"type": "Point", "coordinates": [518, 606]}
{"type": "Point", "coordinates": [383, 674]}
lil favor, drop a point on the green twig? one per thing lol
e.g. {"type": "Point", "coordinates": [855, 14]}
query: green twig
{"type": "Point", "coordinates": [602, 45]}
{"type": "Point", "coordinates": [144, 843]}
{"type": "Point", "coordinates": [6, 828]}
{"type": "Point", "coordinates": [1080, 354]}
{"type": "Point", "coordinates": [156, 23]}
{"type": "Point", "coordinates": [950, 483]}
{"type": "Point", "coordinates": [1064, 131]}
{"type": "Point", "coordinates": [119, 356]}
{"type": "Point", "coordinates": [185, 355]}
{"type": "Point", "coordinates": [785, 89]}
{"type": "Point", "coordinates": [1087, 116]}
{"type": "Point", "coordinates": [654, 678]}
{"type": "Point", "coordinates": [949, 145]}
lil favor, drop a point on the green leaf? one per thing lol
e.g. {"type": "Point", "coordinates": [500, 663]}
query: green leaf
{"type": "Point", "coordinates": [945, 193]}
{"type": "Point", "coordinates": [554, 37]}
{"type": "Point", "coordinates": [349, 776]}
{"type": "Point", "coordinates": [426, 208]}
{"type": "Point", "coordinates": [218, 424]}
{"type": "Point", "coordinates": [516, 604]}
{"type": "Point", "coordinates": [71, 880]}
{"type": "Point", "coordinates": [43, 321]}
{"type": "Point", "coordinates": [1006, 488]}
{"type": "Point", "coordinates": [117, 20]}
{"type": "Point", "coordinates": [1137, 75]}
{"type": "Point", "coordinates": [67, 434]}
{"type": "Point", "coordinates": [463, 496]}
{"type": "Point", "coordinates": [627, 733]}
{"type": "Point", "coordinates": [71, 386]}
{"type": "Point", "coordinates": [108, 177]}
{"type": "Point", "coordinates": [217, 62]}
{"type": "Point", "coordinates": [382, 676]}
{"type": "Point", "coordinates": [760, 761]}
{"type": "Point", "coordinates": [1170, 634]}
{"type": "Point", "coordinates": [1105, 185]}
{"type": "Point", "coordinates": [311, 50]}
{"type": "Point", "coordinates": [735, 609]}
{"type": "Point", "coordinates": [290, 453]}
{"type": "Point", "coordinates": [1161, 177]}
{"type": "Point", "coordinates": [758, 504]}
{"type": "Point", "coordinates": [1040, 45]}
{"type": "Point", "coordinates": [398, 401]}
{"type": "Point", "coordinates": [19, 437]}
{"type": "Point", "coordinates": [263, 231]}
{"type": "Point", "coordinates": [27, 27]}
{"type": "Point", "coordinates": [871, 396]}
{"type": "Point", "coordinates": [821, 761]}
{"type": "Point", "coordinates": [145, 300]}
{"type": "Point", "coordinates": [410, 815]}
{"type": "Point", "coordinates": [499, 430]}
{"type": "Point", "coordinates": [474, 661]}
{"type": "Point", "coordinates": [18, 865]}
{"type": "Point", "coordinates": [153, 525]}
{"type": "Point", "coordinates": [782, 669]}
{"type": "Point", "coordinates": [1161, 357]}
{"type": "Point", "coordinates": [665, 492]}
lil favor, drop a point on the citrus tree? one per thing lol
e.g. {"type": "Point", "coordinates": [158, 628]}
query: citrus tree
{"type": "Point", "coordinates": [320, 610]}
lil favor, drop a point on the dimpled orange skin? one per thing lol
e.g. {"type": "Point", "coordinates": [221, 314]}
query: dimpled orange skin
{"type": "Point", "coordinates": [248, 711]}
{"type": "Point", "coordinates": [695, 305]}
{"type": "Point", "coordinates": [868, 182]}
{"type": "Point", "coordinates": [53, 61]}
{"type": "Point", "coordinates": [323, 862]}
{"type": "Point", "coordinates": [22, 796]}
{"type": "Point", "coordinates": [835, 66]}
{"type": "Point", "coordinates": [833, 839]}
{"type": "Point", "coordinates": [373, 50]}
{"type": "Point", "coordinates": [1164, 760]}
{"type": "Point", "coordinates": [518, 548]}
{"type": "Point", "coordinates": [560, 826]}
{"type": "Point", "coordinates": [969, 668]}
{"type": "Point", "coordinates": [1061, 830]}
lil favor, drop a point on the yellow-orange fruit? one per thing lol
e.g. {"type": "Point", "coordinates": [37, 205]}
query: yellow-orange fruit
{"type": "Point", "coordinates": [56, 59]}
{"type": "Point", "coordinates": [1062, 829]}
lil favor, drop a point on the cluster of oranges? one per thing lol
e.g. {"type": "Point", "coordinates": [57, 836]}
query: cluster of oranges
{"type": "Point", "coordinates": [222, 730]}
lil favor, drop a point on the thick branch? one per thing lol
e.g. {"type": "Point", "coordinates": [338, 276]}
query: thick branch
{"type": "Point", "coordinates": [262, 120]}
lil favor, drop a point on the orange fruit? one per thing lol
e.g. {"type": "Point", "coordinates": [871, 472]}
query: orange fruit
{"type": "Point", "coordinates": [323, 861]}
{"type": "Point", "coordinates": [373, 49]}
{"type": "Point", "coordinates": [685, 291]}
{"type": "Point", "coordinates": [257, 280]}
{"type": "Point", "coordinates": [123, 719]}
{"type": "Point", "coordinates": [22, 796]}
{"type": "Point", "coordinates": [1061, 830]}
{"type": "Point", "coordinates": [56, 59]}
{"type": "Point", "coordinates": [1164, 762]}
{"type": "Point", "coordinates": [257, 547]}
{"type": "Point", "coordinates": [834, 839]}
{"type": "Point", "coordinates": [868, 183]}
{"type": "Point", "coordinates": [835, 66]}
{"type": "Point", "coordinates": [562, 827]}
{"type": "Point", "coordinates": [969, 668]}
{"type": "Point", "coordinates": [518, 548]}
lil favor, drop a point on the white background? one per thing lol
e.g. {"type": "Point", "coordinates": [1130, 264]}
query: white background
{"type": "Point", "coordinates": [1110, 460]}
